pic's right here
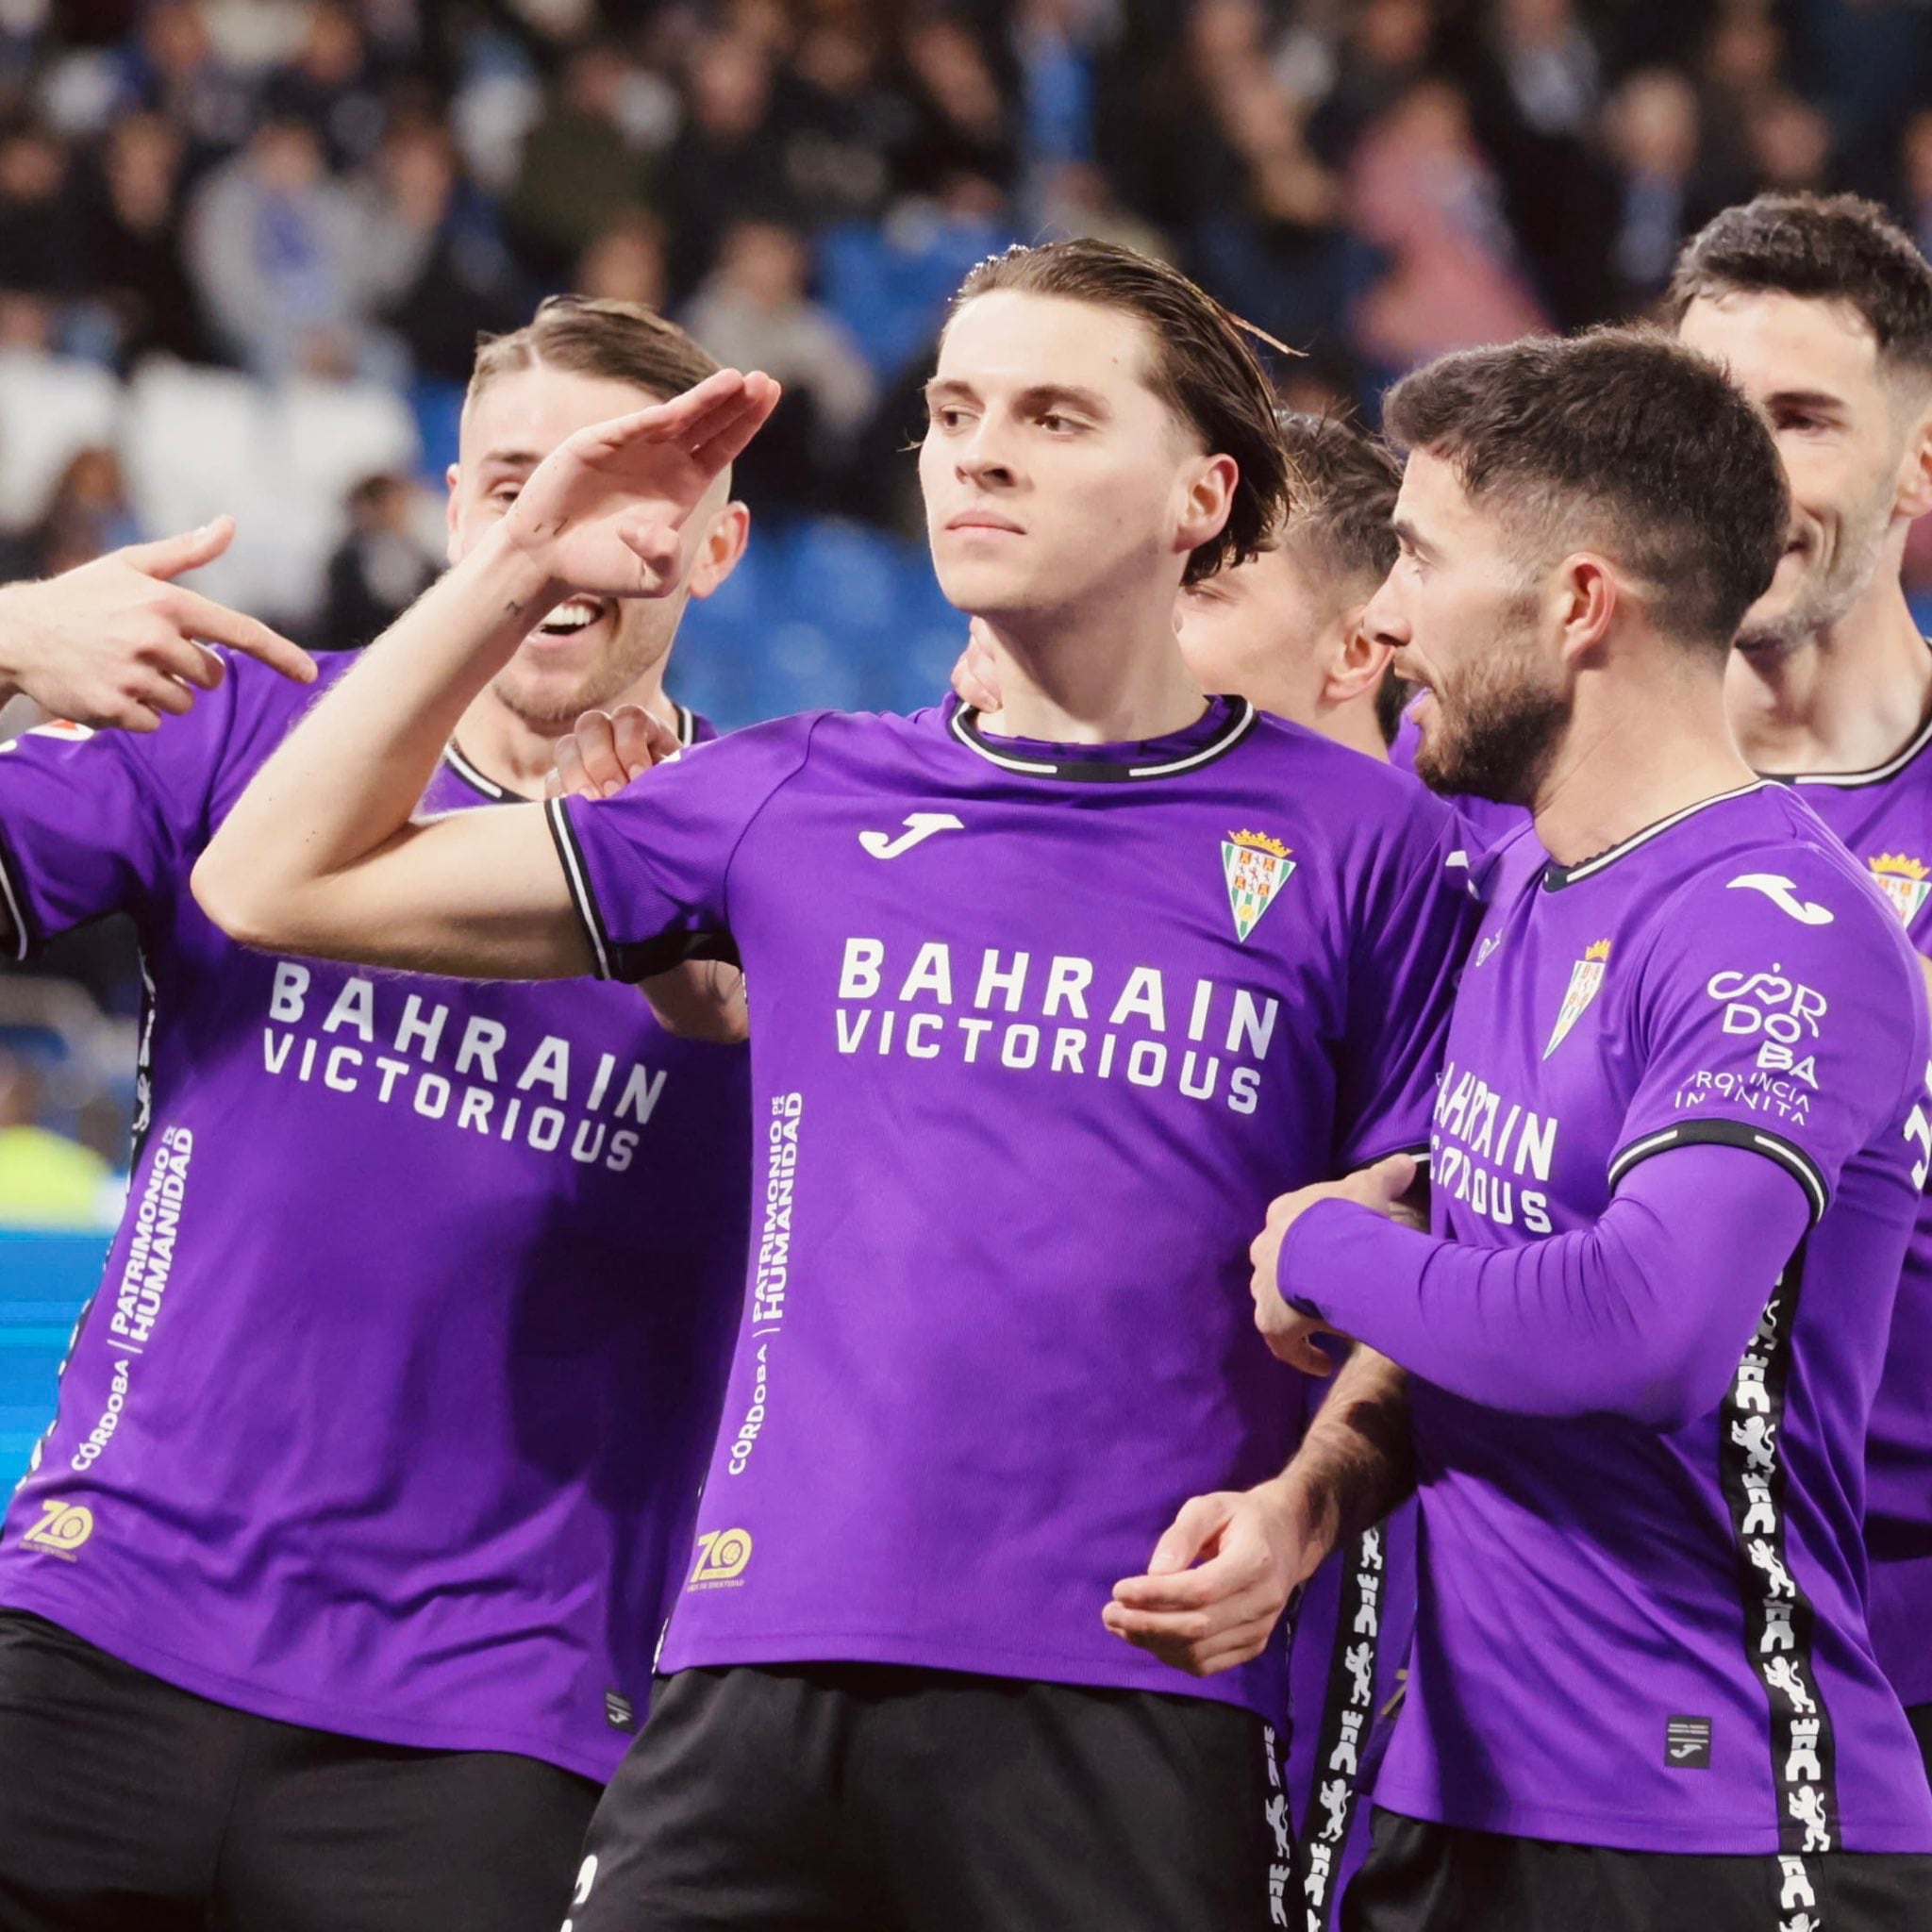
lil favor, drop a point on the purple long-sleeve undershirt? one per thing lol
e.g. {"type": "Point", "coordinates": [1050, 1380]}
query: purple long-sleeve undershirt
{"type": "Point", "coordinates": [1643, 1315]}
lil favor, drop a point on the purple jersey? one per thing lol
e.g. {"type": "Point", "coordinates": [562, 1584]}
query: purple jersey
{"type": "Point", "coordinates": [1884, 818]}
{"type": "Point", "coordinates": [1039, 1032]}
{"type": "Point", "coordinates": [1347, 1666]}
{"type": "Point", "coordinates": [388, 1418]}
{"type": "Point", "coordinates": [1649, 1637]}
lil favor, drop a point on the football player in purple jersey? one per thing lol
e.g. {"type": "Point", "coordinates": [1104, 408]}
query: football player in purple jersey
{"type": "Point", "coordinates": [994, 1328]}
{"type": "Point", "coordinates": [1822, 310]}
{"type": "Point", "coordinates": [1678, 1146]}
{"type": "Point", "coordinates": [330, 1598]}
{"type": "Point", "coordinates": [1284, 629]}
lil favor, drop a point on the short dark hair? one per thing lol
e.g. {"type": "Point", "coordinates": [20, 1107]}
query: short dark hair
{"type": "Point", "coordinates": [1202, 367]}
{"type": "Point", "coordinates": [1823, 248]}
{"type": "Point", "coordinates": [622, 340]}
{"type": "Point", "coordinates": [1345, 483]}
{"type": "Point", "coordinates": [1623, 438]}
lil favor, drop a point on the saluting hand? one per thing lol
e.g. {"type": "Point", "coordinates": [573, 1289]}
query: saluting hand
{"type": "Point", "coordinates": [601, 513]}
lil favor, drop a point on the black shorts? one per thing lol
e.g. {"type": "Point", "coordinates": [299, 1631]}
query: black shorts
{"type": "Point", "coordinates": [1441, 1879]}
{"type": "Point", "coordinates": [869, 1798]}
{"type": "Point", "coordinates": [128, 1806]}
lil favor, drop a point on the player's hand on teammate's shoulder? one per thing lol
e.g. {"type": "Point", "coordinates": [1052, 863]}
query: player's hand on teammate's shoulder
{"type": "Point", "coordinates": [702, 999]}
{"type": "Point", "coordinates": [602, 512]}
{"type": "Point", "coordinates": [606, 750]}
{"type": "Point", "coordinates": [119, 643]}
{"type": "Point", "coordinates": [1218, 1581]}
{"type": "Point", "coordinates": [1387, 1188]}
{"type": "Point", "coordinates": [976, 677]}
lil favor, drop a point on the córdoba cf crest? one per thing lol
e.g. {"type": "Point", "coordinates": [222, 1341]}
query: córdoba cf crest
{"type": "Point", "coordinates": [1256, 867]}
{"type": "Point", "coordinates": [1585, 976]}
{"type": "Point", "coordinates": [1906, 882]}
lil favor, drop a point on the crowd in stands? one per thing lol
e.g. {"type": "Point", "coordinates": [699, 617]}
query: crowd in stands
{"type": "Point", "coordinates": [246, 246]}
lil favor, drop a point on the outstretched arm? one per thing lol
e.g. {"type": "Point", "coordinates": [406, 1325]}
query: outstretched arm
{"type": "Point", "coordinates": [322, 853]}
{"type": "Point", "coordinates": [1642, 1315]}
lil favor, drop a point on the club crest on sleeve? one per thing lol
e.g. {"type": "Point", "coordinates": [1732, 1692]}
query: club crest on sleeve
{"type": "Point", "coordinates": [1906, 882]}
{"type": "Point", "coordinates": [1586, 978]}
{"type": "Point", "coordinates": [1256, 867]}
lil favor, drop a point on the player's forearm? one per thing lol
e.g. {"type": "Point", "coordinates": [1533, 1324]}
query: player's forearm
{"type": "Point", "coordinates": [1355, 1464]}
{"type": "Point", "coordinates": [1643, 1315]}
{"type": "Point", "coordinates": [347, 781]}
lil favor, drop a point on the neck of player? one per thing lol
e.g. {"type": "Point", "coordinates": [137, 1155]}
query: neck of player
{"type": "Point", "coordinates": [1844, 699]}
{"type": "Point", "coordinates": [1637, 750]}
{"type": "Point", "coordinates": [1112, 678]}
{"type": "Point", "coordinates": [507, 747]}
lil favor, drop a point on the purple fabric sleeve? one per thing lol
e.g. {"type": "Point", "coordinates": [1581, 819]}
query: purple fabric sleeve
{"type": "Point", "coordinates": [1642, 1316]}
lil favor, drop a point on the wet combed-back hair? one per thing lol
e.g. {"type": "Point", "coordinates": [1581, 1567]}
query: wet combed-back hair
{"type": "Point", "coordinates": [1622, 440]}
{"type": "Point", "coordinates": [1201, 366]}
{"type": "Point", "coordinates": [1823, 248]}
{"type": "Point", "coordinates": [1345, 485]}
{"type": "Point", "coordinates": [623, 342]}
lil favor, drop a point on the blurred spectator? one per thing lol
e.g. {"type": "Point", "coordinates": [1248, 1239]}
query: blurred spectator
{"type": "Point", "coordinates": [136, 244]}
{"type": "Point", "coordinates": [380, 566]}
{"type": "Point", "coordinates": [1651, 129]}
{"type": "Point", "coordinates": [1077, 199]}
{"type": "Point", "coordinates": [88, 513]}
{"type": "Point", "coordinates": [276, 248]}
{"type": "Point", "coordinates": [173, 69]}
{"type": "Point", "coordinates": [753, 312]}
{"type": "Point", "coordinates": [1790, 142]}
{"type": "Point", "coordinates": [1423, 191]}
{"type": "Point", "coordinates": [626, 262]}
{"type": "Point", "coordinates": [433, 255]}
{"type": "Point", "coordinates": [727, 162]}
{"type": "Point", "coordinates": [47, 1180]}
{"type": "Point", "coordinates": [964, 124]}
{"type": "Point", "coordinates": [329, 86]}
{"type": "Point", "coordinates": [589, 158]}
{"type": "Point", "coordinates": [846, 123]}
{"type": "Point", "coordinates": [38, 255]}
{"type": "Point", "coordinates": [1915, 158]}
{"type": "Point", "coordinates": [1533, 89]}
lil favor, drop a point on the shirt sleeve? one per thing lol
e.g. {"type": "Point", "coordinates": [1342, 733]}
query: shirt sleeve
{"type": "Point", "coordinates": [1780, 1012]}
{"type": "Point", "coordinates": [100, 821]}
{"type": "Point", "coordinates": [650, 868]}
{"type": "Point", "coordinates": [1642, 1315]}
{"type": "Point", "coordinates": [1412, 934]}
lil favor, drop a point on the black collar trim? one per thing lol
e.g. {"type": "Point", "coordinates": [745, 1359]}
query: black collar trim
{"type": "Point", "coordinates": [963, 724]}
{"type": "Point", "coordinates": [1557, 876]}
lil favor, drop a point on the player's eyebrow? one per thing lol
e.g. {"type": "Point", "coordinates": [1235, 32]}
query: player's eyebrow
{"type": "Point", "coordinates": [510, 459]}
{"type": "Point", "coordinates": [1037, 399]}
{"type": "Point", "coordinates": [1409, 537]}
{"type": "Point", "coordinates": [1820, 402]}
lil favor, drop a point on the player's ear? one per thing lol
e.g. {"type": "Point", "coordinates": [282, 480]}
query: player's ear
{"type": "Point", "coordinates": [1208, 486]}
{"type": "Point", "coordinates": [451, 476]}
{"type": "Point", "coordinates": [1356, 662]}
{"type": "Point", "coordinates": [1915, 471]}
{"type": "Point", "coordinates": [723, 545]}
{"type": "Point", "coordinates": [1584, 598]}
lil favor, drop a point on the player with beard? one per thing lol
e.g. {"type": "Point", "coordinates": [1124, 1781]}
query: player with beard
{"type": "Point", "coordinates": [330, 1598]}
{"type": "Point", "coordinates": [1821, 308]}
{"type": "Point", "coordinates": [1677, 1153]}
{"type": "Point", "coordinates": [996, 1327]}
{"type": "Point", "coordinates": [1821, 311]}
